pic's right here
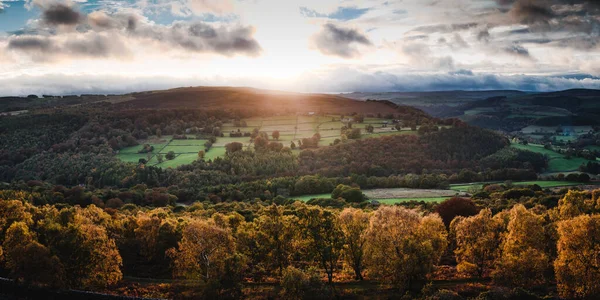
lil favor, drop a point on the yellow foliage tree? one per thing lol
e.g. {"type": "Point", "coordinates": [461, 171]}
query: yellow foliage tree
{"type": "Point", "coordinates": [403, 246]}
{"type": "Point", "coordinates": [524, 261]}
{"type": "Point", "coordinates": [28, 260]}
{"type": "Point", "coordinates": [477, 242]}
{"type": "Point", "coordinates": [202, 251]}
{"type": "Point", "coordinates": [354, 223]}
{"type": "Point", "coordinates": [577, 267]}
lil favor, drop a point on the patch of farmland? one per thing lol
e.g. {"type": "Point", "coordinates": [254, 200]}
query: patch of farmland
{"type": "Point", "coordinates": [331, 126]}
{"type": "Point", "coordinates": [407, 193]}
{"type": "Point", "coordinates": [188, 142]}
{"type": "Point", "coordinates": [182, 149]}
{"type": "Point", "coordinates": [180, 159]}
{"type": "Point", "coordinates": [401, 200]}
{"type": "Point", "coordinates": [135, 158]}
{"type": "Point", "coordinates": [327, 141]}
{"type": "Point", "coordinates": [135, 149]}
{"type": "Point", "coordinates": [214, 152]}
{"type": "Point", "coordinates": [541, 183]}
{"type": "Point", "coordinates": [281, 128]}
{"type": "Point", "coordinates": [222, 141]}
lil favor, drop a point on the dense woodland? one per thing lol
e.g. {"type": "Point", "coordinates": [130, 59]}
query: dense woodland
{"type": "Point", "coordinates": [508, 242]}
{"type": "Point", "coordinates": [74, 216]}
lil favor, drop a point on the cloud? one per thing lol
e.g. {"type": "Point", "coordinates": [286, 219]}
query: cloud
{"type": "Point", "coordinates": [341, 14]}
{"type": "Point", "coordinates": [61, 14]}
{"type": "Point", "coordinates": [517, 50]}
{"type": "Point", "coordinates": [339, 41]}
{"type": "Point", "coordinates": [91, 39]}
{"type": "Point", "coordinates": [74, 45]}
{"type": "Point", "coordinates": [211, 6]}
{"type": "Point", "coordinates": [347, 79]}
{"type": "Point", "coordinates": [341, 79]}
{"type": "Point", "coordinates": [445, 28]}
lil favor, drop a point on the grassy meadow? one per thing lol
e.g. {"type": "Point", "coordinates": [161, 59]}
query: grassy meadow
{"type": "Point", "coordinates": [291, 129]}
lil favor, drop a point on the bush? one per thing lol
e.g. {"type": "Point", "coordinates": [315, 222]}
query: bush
{"type": "Point", "coordinates": [350, 194]}
{"type": "Point", "coordinates": [299, 284]}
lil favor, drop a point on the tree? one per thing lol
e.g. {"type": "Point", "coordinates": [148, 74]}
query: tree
{"type": "Point", "coordinates": [159, 133]}
{"type": "Point", "coordinates": [523, 261]}
{"type": "Point", "coordinates": [234, 147]}
{"type": "Point", "coordinates": [202, 251]}
{"type": "Point", "coordinates": [275, 134]}
{"type": "Point", "coordinates": [201, 154]}
{"type": "Point", "coordinates": [477, 241]}
{"type": "Point", "coordinates": [90, 257]}
{"type": "Point", "coordinates": [170, 155]}
{"type": "Point", "coordinates": [455, 206]}
{"type": "Point", "coordinates": [403, 247]}
{"type": "Point", "coordinates": [28, 260]}
{"type": "Point", "coordinates": [292, 145]}
{"type": "Point", "coordinates": [370, 128]}
{"type": "Point", "coordinates": [354, 223]}
{"type": "Point", "coordinates": [577, 266]}
{"type": "Point", "coordinates": [271, 239]}
{"type": "Point", "coordinates": [160, 158]}
{"type": "Point", "coordinates": [260, 143]}
{"type": "Point", "coordinates": [573, 204]}
{"type": "Point", "coordinates": [350, 194]}
{"type": "Point", "coordinates": [324, 237]}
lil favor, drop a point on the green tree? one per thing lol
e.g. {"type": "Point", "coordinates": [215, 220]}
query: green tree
{"type": "Point", "coordinates": [170, 155]}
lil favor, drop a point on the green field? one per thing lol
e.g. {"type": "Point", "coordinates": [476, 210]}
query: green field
{"type": "Point", "coordinates": [382, 201]}
{"type": "Point", "coordinates": [291, 128]}
{"type": "Point", "coordinates": [543, 184]}
{"type": "Point", "coordinates": [558, 162]}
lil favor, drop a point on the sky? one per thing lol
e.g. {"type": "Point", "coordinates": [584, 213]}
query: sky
{"type": "Point", "coordinates": [110, 46]}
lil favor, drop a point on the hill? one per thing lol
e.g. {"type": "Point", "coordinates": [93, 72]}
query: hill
{"type": "Point", "coordinates": [252, 99]}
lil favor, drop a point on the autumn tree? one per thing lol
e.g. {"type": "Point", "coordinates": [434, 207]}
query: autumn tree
{"type": "Point", "coordinates": [201, 154]}
{"type": "Point", "coordinates": [403, 246]}
{"type": "Point", "coordinates": [202, 251]}
{"type": "Point", "coordinates": [28, 260]}
{"type": "Point", "coordinates": [270, 239]}
{"type": "Point", "coordinates": [478, 240]}
{"type": "Point", "coordinates": [324, 236]}
{"type": "Point", "coordinates": [523, 261]}
{"type": "Point", "coordinates": [354, 223]}
{"type": "Point", "coordinates": [574, 203]}
{"type": "Point", "coordinates": [275, 134]}
{"type": "Point", "coordinates": [577, 267]}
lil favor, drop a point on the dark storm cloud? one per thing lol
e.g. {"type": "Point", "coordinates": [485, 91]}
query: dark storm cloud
{"type": "Point", "coordinates": [61, 14]}
{"type": "Point", "coordinates": [339, 41]}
